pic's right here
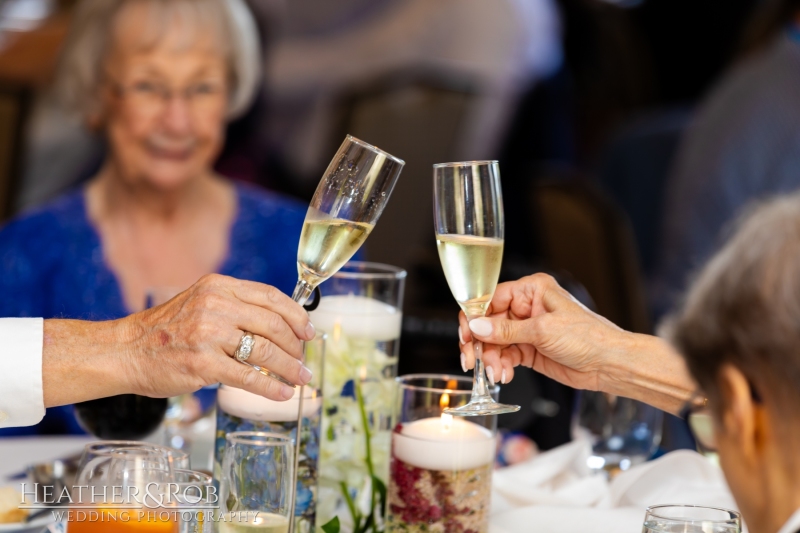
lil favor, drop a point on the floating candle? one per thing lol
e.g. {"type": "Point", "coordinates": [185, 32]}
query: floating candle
{"type": "Point", "coordinates": [357, 316]}
{"type": "Point", "coordinates": [238, 402]}
{"type": "Point", "coordinates": [444, 443]}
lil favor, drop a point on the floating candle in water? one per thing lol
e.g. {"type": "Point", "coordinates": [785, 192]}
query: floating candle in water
{"type": "Point", "coordinates": [443, 443]}
{"type": "Point", "coordinates": [357, 316]}
{"type": "Point", "coordinates": [238, 402]}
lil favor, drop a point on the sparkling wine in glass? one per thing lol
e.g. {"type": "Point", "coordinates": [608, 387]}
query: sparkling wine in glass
{"type": "Point", "coordinates": [346, 205]}
{"type": "Point", "coordinates": [468, 216]}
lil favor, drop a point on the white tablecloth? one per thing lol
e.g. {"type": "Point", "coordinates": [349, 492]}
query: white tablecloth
{"type": "Point", "coordinates": [551, 493]}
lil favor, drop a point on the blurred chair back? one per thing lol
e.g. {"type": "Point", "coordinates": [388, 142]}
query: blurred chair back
{"type": "Point", "coordinates": [635, 169]}
{"type": "Point", "coordinates": [14, 106]}
{"type": "Point", "coordinates": [583, 233]}
{"type": "Point", "coordinates": [416, 117]}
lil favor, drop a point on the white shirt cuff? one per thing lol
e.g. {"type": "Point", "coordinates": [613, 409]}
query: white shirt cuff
{"type": "Point", "coordinates": [21, 393]}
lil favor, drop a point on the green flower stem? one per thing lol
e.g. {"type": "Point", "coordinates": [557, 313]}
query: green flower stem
{"type": "Point", "coordinates": [351, 505]}
{"type": "Point", "coordinates": [370, 522]}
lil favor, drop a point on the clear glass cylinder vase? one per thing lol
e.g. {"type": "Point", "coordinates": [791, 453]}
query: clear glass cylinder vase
{"type": "Point", "coordinates": [239, 410]}
{"type": "Point", "coordinates": [441, 465]}
{"type": "Point", "coordinates": [361, 314]}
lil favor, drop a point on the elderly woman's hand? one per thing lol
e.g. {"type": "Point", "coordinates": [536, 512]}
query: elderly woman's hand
{"type": "Point", "coordinates": [534, 322]}
{"type": "Point", "coordinates": [189, 341]}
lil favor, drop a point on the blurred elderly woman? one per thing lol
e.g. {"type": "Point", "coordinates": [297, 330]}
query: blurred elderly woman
{"type": "Point", "coordinates": [159, 79]}
{"type": "Point", "coordinates": [739, 336]}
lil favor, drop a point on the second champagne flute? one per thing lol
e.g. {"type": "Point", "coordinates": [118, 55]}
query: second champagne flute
{"type": "Point", "coordinates": [346, 205]}
{"type": "Point", "coordinates": [468, 216]}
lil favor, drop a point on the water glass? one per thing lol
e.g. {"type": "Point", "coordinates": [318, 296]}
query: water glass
{"type": "Point", "coordinates": [691, 519]}
{"type": "Point", "coordinates": [256, 491]}
{"type": "Point", "coordinates": [623, 432]}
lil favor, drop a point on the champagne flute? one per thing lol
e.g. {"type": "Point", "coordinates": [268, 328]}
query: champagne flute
{"type": "Point", "coordinates": [346, 205]}
{"type": "Point", "coordinates": [468, 215]}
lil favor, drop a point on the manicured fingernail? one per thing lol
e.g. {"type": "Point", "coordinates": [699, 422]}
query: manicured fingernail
{"type": "Point", "coordinates": [481, 327]}
{"type": "Point", "coordinates": [460, 336]}
{"type": "Point", "coordinates": [490, 375]}
{"type": "Point", "coordinates": [306, 374]}
{"type": "Point", "coordinates": [463, 362]}
{"type": "Point", "coordinates": [287, 392]}
{"type": "Point", "coordinates": [310, 331]}
{"type": "Point", "coordinates": [503, 377]}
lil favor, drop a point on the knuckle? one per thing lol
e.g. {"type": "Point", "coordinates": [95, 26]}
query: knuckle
{"type": "Point", "coordinates": [248, 376]}
{"type": "Point", "coordinates": [267, 351]}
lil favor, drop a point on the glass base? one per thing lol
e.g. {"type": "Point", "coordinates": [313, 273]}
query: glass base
{"type": "Point", "coordinates": [482, 407]}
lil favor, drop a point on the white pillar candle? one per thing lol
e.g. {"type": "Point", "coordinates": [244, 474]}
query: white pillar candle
{"type": "Point", "coordinates": [357, 316]}
{"type": "Point", "coordinates": [238, 402]}
{"type": "Point", "coordinates": [444, 443]}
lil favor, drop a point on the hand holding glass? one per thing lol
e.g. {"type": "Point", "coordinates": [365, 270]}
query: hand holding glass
{"type": "Point", "coordinates": [468, 217]}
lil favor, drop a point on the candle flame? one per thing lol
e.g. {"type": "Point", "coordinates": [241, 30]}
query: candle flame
{"type": "Point", "coordinates": [447, 421]}
{"type": "Point", "coordinates": [362, 373]}
{"type": "Point", "coordinates": [444, 401]}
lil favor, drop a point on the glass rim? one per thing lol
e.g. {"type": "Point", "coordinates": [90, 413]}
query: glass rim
{"type": "Point", "coordinates": [107, 447]}
{"type": "Point", "coordinates": [374, 148]}
{"type": "Point", "coordinates": [736, 515]}
{"type": "Point", "coordinates": [382, 270]}
{"type": "Point", "coordinates": [258, 438]}
{"type": "Point", "coordinates": [401, 381]}
{"type": "Point", "coordinates": [206, 479]}
{"type": "Point", "coordinates": [467, 163]}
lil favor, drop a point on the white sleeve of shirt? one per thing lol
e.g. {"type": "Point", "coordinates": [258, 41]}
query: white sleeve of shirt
{"type": "Point", "coordinates": [21, 393]}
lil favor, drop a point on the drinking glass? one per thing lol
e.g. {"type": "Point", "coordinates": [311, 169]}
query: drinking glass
{"type": "Point", "coordinates": [256, 490]}
{"type": "Point", "coordinates": [123, 485]}
{"type": "Point", "coordinates": [623, 432]}
{"type": "Point", "coordinates": [95, 452]}
{"type": "Point", "coordinates": [346, 205]}
{"type": "Point", "coordinates": [691, 519]}
{"type": "Point", "coordinates": [191, 495]}
{"type": "Point", "coordinates": [468, 217]}
{"type": "Point", "coordinates": [441, 466]}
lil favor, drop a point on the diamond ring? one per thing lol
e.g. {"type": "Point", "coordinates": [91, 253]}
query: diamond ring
{"type": "Point", "coordinates": [245, 348]}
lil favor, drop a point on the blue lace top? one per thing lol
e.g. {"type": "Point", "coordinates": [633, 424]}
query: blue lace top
{"type": "Point", "coordinates": [52, 265]}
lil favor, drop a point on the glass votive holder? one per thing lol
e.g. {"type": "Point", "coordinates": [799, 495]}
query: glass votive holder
{"type": "Point", "coordinates": [441, 466]}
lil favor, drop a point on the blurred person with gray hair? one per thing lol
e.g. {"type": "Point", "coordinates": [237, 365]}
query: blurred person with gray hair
{"type": "Point", "coordinates": [730, 367]}
{"type": "Point", "coordinates": [158, 79]}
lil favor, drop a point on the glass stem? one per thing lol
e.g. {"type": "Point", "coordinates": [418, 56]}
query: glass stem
{"type": "Point", "coordinates": [302, 291]}
{"type": "Point", "coordinates": [479, 384]}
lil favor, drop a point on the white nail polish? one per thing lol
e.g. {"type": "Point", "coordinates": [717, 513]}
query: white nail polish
{"type": "Point", "coordinates": [503, 377]}
{"type": "Point", "coordinates": [481, 327]}
{"type": "Point", "coordinates": [460, 336]}
{"type": "Point", "coordinates": [463, 362]}
{"type": "Point", "coordinates": [490, 375]}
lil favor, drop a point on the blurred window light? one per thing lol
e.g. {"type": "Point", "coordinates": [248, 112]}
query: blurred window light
{"type": "Point", "coordinates": [24, 15]}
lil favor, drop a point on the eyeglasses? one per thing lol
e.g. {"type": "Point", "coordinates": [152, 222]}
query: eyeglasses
{"type": "Point", "coordinates": [153, 97]}
{"type": "Point", "coordinates": [700, 421]}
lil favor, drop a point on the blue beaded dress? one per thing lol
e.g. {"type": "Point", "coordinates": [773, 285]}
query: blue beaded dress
{"type": "Point", "coordinates": [52, 265]}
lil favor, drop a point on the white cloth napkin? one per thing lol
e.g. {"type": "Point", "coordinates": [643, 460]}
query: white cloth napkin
{"type": "Point", "coordinates": [555, 492]}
